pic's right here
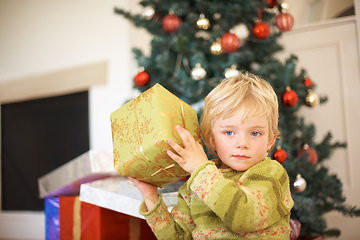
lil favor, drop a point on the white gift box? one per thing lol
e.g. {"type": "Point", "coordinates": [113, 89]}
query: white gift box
{"type": "Point", "coordinates": [66, 180]}
{"type": "Point", "coordinates": [120, 194]}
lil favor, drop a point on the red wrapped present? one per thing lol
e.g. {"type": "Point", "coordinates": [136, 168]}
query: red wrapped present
{"type": "Point", "coordinates": [295, 227]}
{"type": "Point", "coordinates": [310, 238]}
{"type": "Point", "coordinates": [84, 221]}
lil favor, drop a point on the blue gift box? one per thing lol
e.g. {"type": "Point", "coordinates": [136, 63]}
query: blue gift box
{"type": "Point", "coordinates": [52, 221]}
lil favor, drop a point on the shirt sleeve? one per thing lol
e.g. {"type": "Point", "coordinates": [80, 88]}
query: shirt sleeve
{"type": "Point", "coordinates": [257, 200]}
{"type": "Point", "coordinates": [175, 225]}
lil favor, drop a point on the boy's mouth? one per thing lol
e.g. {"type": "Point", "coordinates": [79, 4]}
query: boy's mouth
{"type": "Point", "coordinates": [241, 157]}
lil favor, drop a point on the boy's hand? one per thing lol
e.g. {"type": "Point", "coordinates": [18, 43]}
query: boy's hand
{"type": "Point", "coordinates": [148, 191]}
{"type": "Point", "coordinates": [191, 156]}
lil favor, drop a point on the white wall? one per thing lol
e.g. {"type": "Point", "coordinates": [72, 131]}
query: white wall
{"type": "Point", "coordinates": [316, 11]}
{"type": "Point", "coordinates": [40, 36]}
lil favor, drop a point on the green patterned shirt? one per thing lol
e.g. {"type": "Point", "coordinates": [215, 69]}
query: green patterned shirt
{"type": "Point", "coordinates": [227, 204]}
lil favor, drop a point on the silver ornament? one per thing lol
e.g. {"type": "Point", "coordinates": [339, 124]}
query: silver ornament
{"type": "Point", "coordinates": [203, 34]}
{"type": "Point", "coordinates": [198, 73]}
{"type": "Point", "coordinates": [216, 16]}
{"type": "Point", "coordinates": [231, 71]}
{"type": "Point", "coordinates": [149, 12]}
{"type": "Point", "coordinates": [300, 183]}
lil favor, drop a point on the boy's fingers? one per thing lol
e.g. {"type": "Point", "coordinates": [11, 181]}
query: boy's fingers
{"type": "Point", "coordinates": [179, 160]}
{"type": "Point", "coordinates": [185, 135]}
{"type": "Point", "coordinates": [135, 181]}
{"type": "Point", "coordinates": [175, 146]}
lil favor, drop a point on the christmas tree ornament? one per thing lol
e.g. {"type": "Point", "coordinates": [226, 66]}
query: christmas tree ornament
{"type": "Point", "coordinates": [203, 22]}
{"type": "Point", "coordinates": [142, 78]}
{"type": "Point", "coordinates": [216, 16]}
{"type": "Point", "coordinates": [272, 3]}
{"type": "Point", "coordinates": [171, 23]}
{"type": "Point", "coordinates": [215, 47]}
{"type": "Point", "coordinates": [198, 73]}
{"type": "Point", "coordinates": [280, 155]}
{"type": "Point", "coordinates": [284, 21]}
{"type": "Point", "coordinates": [285, 6]}
{"type": "Point", "coordinates": [231, 71]}
{"type": "Point", "coordinates": [312, 99]}
{"type": "Point", "coordinates": [242, 31]}
{"type": "Point", "coordinates": [300, 183]}
{"type": "Point", "coordinates": [308, 82]}
{"type": "Point", "coordinates": [311, 154]}
{"type": "Point", "coordinates": [149, 12]}
{"type": "Point", "coordinates": [261, 30]}
{"type": "Point", "coordinates": [290, 97]}
{"type": "Point", "coordinates": [203, 34]}
{"type": "Point", "coordinates": [229, 42]}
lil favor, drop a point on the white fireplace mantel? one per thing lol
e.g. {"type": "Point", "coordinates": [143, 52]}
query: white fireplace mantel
{"type": "Point", "coordinates": [52, 84]}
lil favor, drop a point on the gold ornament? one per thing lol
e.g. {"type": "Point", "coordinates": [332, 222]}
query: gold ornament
{"type": "Point", "coordinates": [312, 99]}
{"type": "Point", "coordinates": [300, 183]}
{"type": "Point", "coordinates": [215, 47]}
{"type": "Point", "coordinates": [198, 73]}
{"type": "Point", "coordinates": [203, 22]}
{"type": "Point", "coordinates": [285, 6]}
{"type": "Point", "coordinates": [231, 71]}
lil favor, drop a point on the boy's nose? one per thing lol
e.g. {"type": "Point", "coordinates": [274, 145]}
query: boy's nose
{"type": "Point", "coordinates": [242, 142]}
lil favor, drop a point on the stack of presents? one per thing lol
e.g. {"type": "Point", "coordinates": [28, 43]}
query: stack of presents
{"type": "Point", "coordinates": [91, 198]}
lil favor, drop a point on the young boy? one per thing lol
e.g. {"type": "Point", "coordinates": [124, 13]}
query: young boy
{"type": "Point", "coordinates": [243, 194]}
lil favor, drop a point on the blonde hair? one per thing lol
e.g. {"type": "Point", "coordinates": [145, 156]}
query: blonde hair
{"type": "Point", "coordinates": [247, 90]}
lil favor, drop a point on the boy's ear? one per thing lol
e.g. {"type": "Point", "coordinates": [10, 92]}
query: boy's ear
{"type": "Point", "coordinates": [271, 143]}
{"type": "Point", "coordinates": [212, 143]}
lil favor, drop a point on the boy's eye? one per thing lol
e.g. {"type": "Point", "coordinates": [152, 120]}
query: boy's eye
{"type": "Point", "coordinates": [229, 133]}
{"type": "Point", "coordinates": [255, 134]}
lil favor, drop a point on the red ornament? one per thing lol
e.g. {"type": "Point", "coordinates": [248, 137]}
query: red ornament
{"type": "Point", "coordinates": [284, 22]}
{"type": "Point", "coordinates": [171, 23]}
{"type": "Point", "coordinates": [290, 97]}
{"type": "Point", "coordinates": [142, 78]}
{"type": "Point", "coordinates": [272, 3]}
{"type": "Point", "coordinates": [280, 155]}
{"type": "Point", "coordinates": [308, 82]}
{"type": "Point", "coordinates": [311, 154]}
{"type": "Point", "coordinates": [229, 42]}
{"type": "Point", "coordinates": [261, 30]}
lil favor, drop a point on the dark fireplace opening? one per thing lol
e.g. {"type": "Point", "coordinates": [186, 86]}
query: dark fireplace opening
{"type": "Point", "coordinates": [38, 136]}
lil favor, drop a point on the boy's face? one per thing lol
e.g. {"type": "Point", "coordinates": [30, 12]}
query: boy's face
{"type": "Point", "coordinates": [240, 143]}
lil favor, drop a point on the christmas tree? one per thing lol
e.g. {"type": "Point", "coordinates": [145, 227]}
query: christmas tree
{"type": "Point", "coordinates": [197, 43]}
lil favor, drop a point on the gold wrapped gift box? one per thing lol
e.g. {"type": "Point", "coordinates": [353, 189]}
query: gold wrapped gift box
{"type": "Point", "coordinates": [140, 130]}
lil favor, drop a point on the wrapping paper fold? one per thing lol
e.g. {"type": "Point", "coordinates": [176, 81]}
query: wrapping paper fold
{"type": "Point", "coordinates": [120, 195]}
{"type": "Point", "coordinates": [66, 180]}
{"type": "Point", "coordinates": [140, 130]}
{"type": "Point", "coordinates": [69, 218]}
